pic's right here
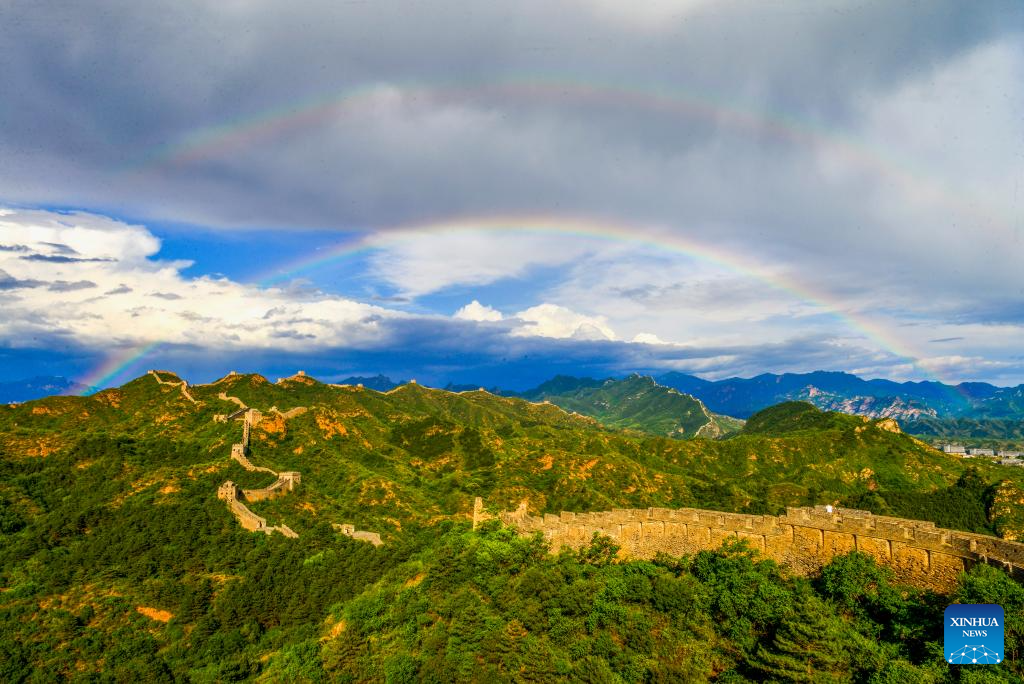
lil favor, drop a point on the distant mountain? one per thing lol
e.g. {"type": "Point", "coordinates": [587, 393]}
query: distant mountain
{"type": "Point", "coordinates": [558, 385]}
{"type": "Point", "coordinates": [636, 402]}
{"type": "Point", "coordinates": [967, 428]}
{"type": "Point", "coordinates": [452, 387]}
{"type": "Point", "coordinates": [904, 401]}
{"type": "Point", "coordinates": [1007, 403]}
{"type": "Point", "coordinates": [37, 388]}
{"type": "Point", "coordinates": [381, 383]}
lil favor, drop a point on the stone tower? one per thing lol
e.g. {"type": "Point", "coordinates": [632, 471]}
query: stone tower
{"type": "Point", "coordinates": [228, 491]}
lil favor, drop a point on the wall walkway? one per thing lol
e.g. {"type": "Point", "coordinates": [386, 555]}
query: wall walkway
{"type": "Point", "coordinates": [183, 386]}
{"type": "Point", "coordinates": [805, 539]}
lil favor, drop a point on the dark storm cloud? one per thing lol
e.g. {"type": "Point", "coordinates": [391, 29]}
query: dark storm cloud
{"type": "Point", "coordinates": [61, 248]}
{"type": "Point", "coordinates": [704, 122]}
{"type": "Point", "coordinates": [65, 286]}
{"type": "Point", "coordinates": [9, 282]}
{"type": "Point", "coordinates": [122, 289]}
{"type": "Point", "coordinates": [60, 259]}
{"type": "Point", "coordinates": [106, 89]}
{"type": "Point", "coordinates": [704, 119]}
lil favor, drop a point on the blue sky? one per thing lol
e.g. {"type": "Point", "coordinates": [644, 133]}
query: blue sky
{"type": "Point", "coordinates": [720, 188]}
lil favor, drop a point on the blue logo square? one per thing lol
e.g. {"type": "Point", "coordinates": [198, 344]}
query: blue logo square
{"type": "Point", "coordinates": [973, 634]}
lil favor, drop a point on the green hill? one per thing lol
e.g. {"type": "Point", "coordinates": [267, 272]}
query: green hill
{"type": "Point", "coordinates": [797, 416]}
{"type": "Point", "coordinates": [118, 561]}
{"type": "Point", "coordinates": [636, 403]}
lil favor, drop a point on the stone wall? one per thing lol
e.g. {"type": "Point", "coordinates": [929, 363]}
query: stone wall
{"type": "Point", "coordinates": [233, 495]}
{"type": "Point", "coordinates": [804, 539]}
{"type": "Point", "coordinates": [183, 386]}
{"type": "Point", "coordinates": [351, 531]}
{"type": "Point", "coordinates": [238, 453]}
{"type": "Point", "coordinates": [285, 483]}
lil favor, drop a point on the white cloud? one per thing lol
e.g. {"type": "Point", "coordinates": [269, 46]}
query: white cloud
{"type": "Point", "coordinates": [423, 261]}
{"type": "Point", "coordinates": [647, 338]}
{"type": "Point", "coordinates": [551, 320]}
{"type": "Point", "coordinates": [475, 311]}
{"type": "Point", "coordinates": [150, 300]}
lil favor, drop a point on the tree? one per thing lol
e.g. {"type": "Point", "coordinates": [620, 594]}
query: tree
{"type": "Point", "coordinates": [812, 646]}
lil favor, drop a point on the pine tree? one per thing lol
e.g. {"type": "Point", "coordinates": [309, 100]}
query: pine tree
{"type": "Point", "coordinates": [812, 646]}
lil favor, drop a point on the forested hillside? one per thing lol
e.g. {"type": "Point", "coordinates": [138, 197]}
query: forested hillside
{"type": "Point", "coordinates": [118, 561]}
{"type": "Point", "coordinates": [638, 403]}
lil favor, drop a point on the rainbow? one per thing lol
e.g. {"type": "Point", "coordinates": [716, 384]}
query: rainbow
{"type": "Point", "coordinates": [226, 137]}
{"type": "Point", "coordinates": [115, 366]}
{"type": "Point", "coordinates": [608, 232]}
{"type": "Point", "coordinates": [229, 136]}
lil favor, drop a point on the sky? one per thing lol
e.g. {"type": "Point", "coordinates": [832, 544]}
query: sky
{"type": "Point", "coordinates": [496, 192]}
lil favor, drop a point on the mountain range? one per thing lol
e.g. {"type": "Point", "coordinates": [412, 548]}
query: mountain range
{"type": "Point", "coordinates": [836, 391]}
{"type": "Point", "coordinates": [736, 397]}
{"type": "Point", "coordinates": [118, 560]}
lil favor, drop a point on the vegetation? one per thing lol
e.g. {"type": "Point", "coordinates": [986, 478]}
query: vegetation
{"type": "Point", "coordinates": [637, 403]}
{"type": "Point", "coordinates": [994, 433]}
{"type": "Point", "coordinates": [496, 607]}
{"type": "Point", "coordinates": [117, 562]}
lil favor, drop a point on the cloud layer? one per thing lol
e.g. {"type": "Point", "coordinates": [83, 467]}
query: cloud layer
{"type": "Point", "coordinates": [865, 158]}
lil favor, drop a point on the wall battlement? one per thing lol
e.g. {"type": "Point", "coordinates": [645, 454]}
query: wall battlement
{"type": "Point", "coordinates": [285, 483]}
{"type": "Point", "coordinates": [351, 531]}
{"type": "Point", "coordinates": [805, 539]}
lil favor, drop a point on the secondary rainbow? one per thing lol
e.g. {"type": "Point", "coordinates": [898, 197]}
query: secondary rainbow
{"type": "Point", "coordinates": [225, 137]}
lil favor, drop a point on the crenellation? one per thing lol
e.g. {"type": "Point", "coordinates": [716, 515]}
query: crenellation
{"type": "Point", "coordinates": [892, 530]}
{"type": "Point", "coordinates": [709, 518]}
{"type": "Point", "coordinates": [857, 525]}
{"type": "Point", "coordinates": [961, 545]}
{"type": "Point", "coordinates": [662, 514]}
{"type": "Point", "coordinates": [802, 538]}
{"type": "Point", "coordinates": [928, 539]}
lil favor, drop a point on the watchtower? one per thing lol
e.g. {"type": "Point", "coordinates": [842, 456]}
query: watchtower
{"type": "Point", "coordinates": [291, 478]}
{"type": "Point", "coordinates": [228, 491]}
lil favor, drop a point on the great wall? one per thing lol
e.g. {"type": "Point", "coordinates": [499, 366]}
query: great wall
{"type": "Point", "coordinates": [804, 539]}
{"type": "Point", "coordinates": [182, 385]}
{"type": "Point", "coordinates": [233, 495]}
{"type": "Point", "coordinates": [286, 482]}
